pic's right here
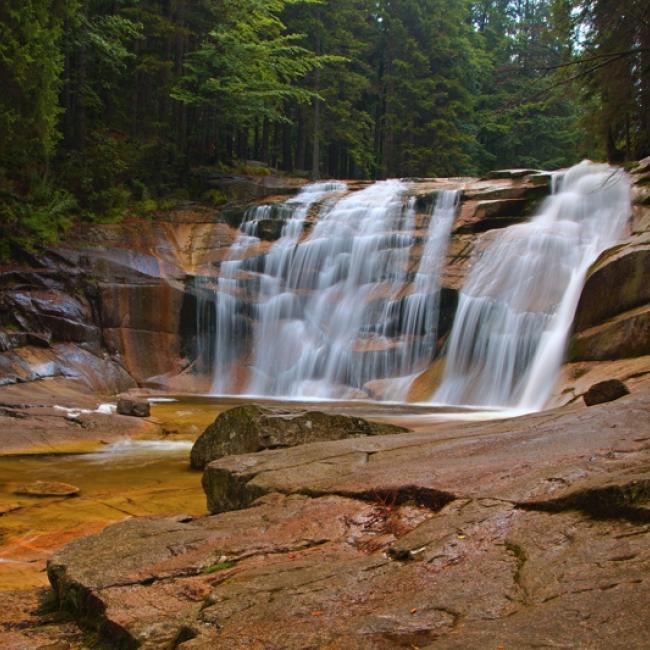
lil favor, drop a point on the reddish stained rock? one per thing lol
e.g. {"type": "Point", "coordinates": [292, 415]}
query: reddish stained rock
{"type": "Point", "coordinates": [517, 532]}
{"type": "Point", "coordinates": [509, 459]}
{"type": "Point", "coordinates": [150, 592]}
{"type": "Point", "coordinates": [477, 216]}
{"type": "Point", "coordinates": [64, 360]}
{"type": "Point", "coordinates": [623, 336]}
{"type": "Point", "coordinates": [47, 489]}
{"type": "Point", "coordinates": [627, 269]}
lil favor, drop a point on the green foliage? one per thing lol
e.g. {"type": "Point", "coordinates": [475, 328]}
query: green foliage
{"type": "Point", "coordinates": [109, 204]}
{"type": "Point", "coordinates": [121, 103]}
{"type": "Point", "coordinates": [523, 118]}
{"type": "Point", "coordinates": [247, 66]}
{"type": "Point", "coordinates": [613, 72]}
{"type": "Point", "coordinates": [36, 219]}
{"type": "Point", "coordinates": [215, 198]}
{"type": "Point", "coordinates": [31, 62]}
{"type": "Point", "coordinates": [219, 566]}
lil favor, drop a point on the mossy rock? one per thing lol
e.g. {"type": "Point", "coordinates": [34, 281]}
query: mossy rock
{"type": "Point", "coordinates": [249, 429]}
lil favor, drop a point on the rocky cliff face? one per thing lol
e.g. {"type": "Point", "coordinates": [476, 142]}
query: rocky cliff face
{"type": "Point", "coordinates": [115, 305]}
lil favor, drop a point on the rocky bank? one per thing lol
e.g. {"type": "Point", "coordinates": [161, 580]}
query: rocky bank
{"type": "Point", "coordinates": [115, 306]}
{"type": "Point", "coordinates": [524, 533]}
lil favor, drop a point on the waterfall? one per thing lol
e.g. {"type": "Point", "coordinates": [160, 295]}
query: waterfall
{"type": "Point", "coordinates": [422, 304]}
{"type": "Point", "coordinates": [517, 306]}
{"type": "Point", "coordinates": [239, 281]}
{"type": "Point", "coordinates": [323, 313]}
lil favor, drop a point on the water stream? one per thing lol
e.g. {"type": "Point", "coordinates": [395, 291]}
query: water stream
{"type": "Point", "coordinates": [517, 306]}
{"type": "Point", "coordinates": [326, 309]}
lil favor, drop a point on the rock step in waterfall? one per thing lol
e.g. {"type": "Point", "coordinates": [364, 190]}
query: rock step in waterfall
{"type": "Point", "coordinates": [349, 294]}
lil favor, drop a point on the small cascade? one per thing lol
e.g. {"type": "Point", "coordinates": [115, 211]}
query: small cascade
{"type": "Point", "coordinates": [517, 306]}
{"type": "Point", "coordinates": [231, 323]}
{"type": "Point", "coordinates": [422, 305]}
{"type": "Point", "coordinates": [239, 277]}
{"type": "Point", "coordinates": [323, 311]}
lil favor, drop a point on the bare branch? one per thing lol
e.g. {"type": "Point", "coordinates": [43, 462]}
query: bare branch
{"type": "Point", "coordinates": [595, 57]}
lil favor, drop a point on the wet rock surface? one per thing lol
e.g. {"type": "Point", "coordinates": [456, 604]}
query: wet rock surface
{"type": "Point", "coordinates": [522, 533]}
{"type": "Point", "coordinates": [527, 532]}
{"type": "Point", "coordinates": [253, 428]}
{"type": "Point", "coordinates": [125, 296]}
{"type": "Point", "coordinates": [43, 417]}
{"type": "Point", "coordinates": [47, 489]}
{"type": "Point", "coordinates": [612, 319]}
{"type": "Point", "coordinates": [134, 408]}
{"type": "Point", "coordinates": [605, 391]}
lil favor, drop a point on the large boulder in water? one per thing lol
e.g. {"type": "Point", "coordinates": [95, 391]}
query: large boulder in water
{"type": "Point", "coordinates": [247, 429]}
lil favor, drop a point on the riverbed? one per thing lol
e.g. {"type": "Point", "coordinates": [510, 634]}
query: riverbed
{"type": "Point", "coordinates": [133, 478]}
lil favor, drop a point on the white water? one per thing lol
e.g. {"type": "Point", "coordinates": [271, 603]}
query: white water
{"type": "Point", "coordinates": [325, 312]}
{"type": "Point", "coordinates": [326, 307]}
{"type": "Point", "coordinates": [422, 305]}
{"type": "Point", "coordinates": [238, 275]}
{"type": "Point", "coordinates": [516, 309]}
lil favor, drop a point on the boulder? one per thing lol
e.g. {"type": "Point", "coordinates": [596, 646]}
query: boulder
{"type": "Point", "coordinates": [248, 429]}
{"type": "Point", "coordinates": [614, 324]}
{"type": "Point", "coordinates": [135, 408]}
{"type": "Point", "coordinates": [626, 268]}
{"type": "Point", "coordinates": [605, 391]}
{"type": "Point", "coordinates": [624, 336]}
{"type": "Point", "coordinates": [269, 229]}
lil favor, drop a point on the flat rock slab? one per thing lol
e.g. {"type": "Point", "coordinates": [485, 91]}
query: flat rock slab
{"type": "Point", "coordinates": [522, 533]}
{"type": "Point", "coordinates": [335, 573]}
{"type": "Point", "coordinates": [516, 459]}
{"type": "Point", "coordinates": [47, 489]}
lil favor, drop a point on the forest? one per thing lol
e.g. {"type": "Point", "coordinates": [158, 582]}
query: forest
{"type": "Point", "coordinates": [117, 106]}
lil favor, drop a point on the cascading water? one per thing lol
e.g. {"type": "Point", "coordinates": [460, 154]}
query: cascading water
{"type": "Point", "coordinates": [239, 276]}
{"type": "Point", "coordinates": [319, 315]}
{"type": "Point", "coordinates": [422, 305]}
{"type": "Point", "coordinates": [320, 330]}
{"type": "Point", "coordinates": [516, 309]}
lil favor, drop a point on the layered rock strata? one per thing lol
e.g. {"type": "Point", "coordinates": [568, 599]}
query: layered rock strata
{"type": "Point", "coordinates": [521, 533]}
